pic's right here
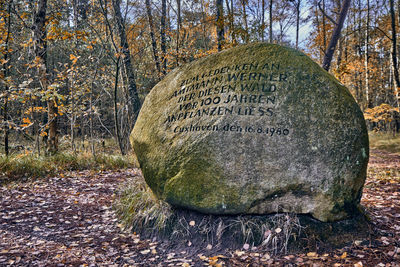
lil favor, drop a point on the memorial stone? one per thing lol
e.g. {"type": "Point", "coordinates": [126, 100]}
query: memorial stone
{"type": "Point", "coordinates": [255, 129]}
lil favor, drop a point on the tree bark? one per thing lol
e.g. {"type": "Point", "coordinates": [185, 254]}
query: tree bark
{"type": "Point", "coordinates": [262, 19]}
{"type": "Point", "coordinates": [40, 49]}
{"type": "Point", "coordinates": [133, 98]}
{"type": "Point", "coordinates": [298, 3]}
{"type": "Point", "coordinates": [230, 17]}
{"type": "Point", "coordinates": [117, 128]}
{"type": "Point", "coordinates": [6, 72]}
{"type": "Point", "coordinates": [153, 38]}
{"type": "Point", "coordinates": [220, 23]}
{"type": "Point", "coordinates": [394, 62]}
{"type": "Point", "coordinates": [178, 30]}
{"type": "Point", "coordinates": [366, 58]}
{"type": "Point", "coordinates": [335, 35]}
{"type": "Point", "coordinates": [270, 21]}
{"type": "Point", "coordinates": [246, 27]}
{"type": "Point", "coordinates": [163, 37]}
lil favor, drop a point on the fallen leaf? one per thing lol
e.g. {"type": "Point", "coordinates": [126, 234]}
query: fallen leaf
{"type": "Point", "coordinates": [145, 252]}
{"type": "Point", "coordinates": [312, 254]}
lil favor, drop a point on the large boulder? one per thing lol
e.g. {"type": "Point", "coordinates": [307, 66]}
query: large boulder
{"type": "Point", "coordinates": [255, 129]}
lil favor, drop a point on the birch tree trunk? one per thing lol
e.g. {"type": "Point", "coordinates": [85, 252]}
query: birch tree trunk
{"type": "Point", "coordinates": [395, 66]}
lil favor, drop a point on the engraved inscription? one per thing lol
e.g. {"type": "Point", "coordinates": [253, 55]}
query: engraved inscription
{"type": "Point", "coordinates": [247, 89]}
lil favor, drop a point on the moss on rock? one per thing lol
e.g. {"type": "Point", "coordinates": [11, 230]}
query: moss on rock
{"type": "Point", "coordinates": [258, 128]}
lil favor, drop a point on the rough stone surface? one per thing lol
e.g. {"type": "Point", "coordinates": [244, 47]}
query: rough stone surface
{"type": "Point", "coordinates": [255, 129]}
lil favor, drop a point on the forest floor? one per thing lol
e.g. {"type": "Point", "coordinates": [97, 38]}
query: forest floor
{"type": "Point", "coordinates": [69, 220]}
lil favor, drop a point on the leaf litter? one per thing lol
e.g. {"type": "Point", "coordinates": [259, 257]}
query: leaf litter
{"type": "Point", "coordinates": [69, 220]}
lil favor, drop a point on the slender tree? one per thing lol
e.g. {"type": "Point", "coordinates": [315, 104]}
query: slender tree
{"type": "Point", "coordinates": [132, 95]}
{"type": "Point", "coordinates": [244, 17]}
{"type": "Point", "coordinates": [366, 57]}
{"type": "Point", "coordinates": [335, 35]}
{"type": "Point", "coordinates": [39, 34]}
{"type": "Point", "coordinates": [6, 73]}
{"type": "Point", "coordinates": [178, 29]}
{"type": "Point", "coordinates": [395, 67]}
{"type": "Point", "coordinates": [271, 38]}
{"type": "Point", "coordinates": [220, 23]}
{"type": "Point", "coordinates": [153, 38]}
{"type": "Point", "coordinates": [163, 37]}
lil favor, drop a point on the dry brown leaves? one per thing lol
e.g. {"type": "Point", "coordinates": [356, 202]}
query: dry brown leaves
{"type": "Point", "coordinates": [68, 220]}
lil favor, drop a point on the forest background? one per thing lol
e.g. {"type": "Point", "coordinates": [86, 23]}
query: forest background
{"type": "Point", "coordinates": [74, 73]}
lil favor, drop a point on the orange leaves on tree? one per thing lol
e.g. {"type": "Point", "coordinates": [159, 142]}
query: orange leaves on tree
{"type": "Point", "coordinates": [73, 58]}
{"type": "Point", "coordinates": [381, 113]}
{"type": "Point", "coordinates": [26, 122]}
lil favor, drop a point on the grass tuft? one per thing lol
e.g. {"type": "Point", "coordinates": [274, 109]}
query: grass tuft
{"type": "Point", "coordinates": [26, 166]}
{"type": "Point", "coordinates": [139, 209]}
{"type": "Point", "coordinates": [141, 212]}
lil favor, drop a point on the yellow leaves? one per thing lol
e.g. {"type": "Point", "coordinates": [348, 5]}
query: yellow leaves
{"type": "Point", "coordinates": [3, 61]}
{"type": "Point", "coordinates": [384, 112]}
{"type": "Point", "coordinates": [212, 261]}
{"type": "Point", "coordinates": [312, 254]}
{"type": "Point", "coordinates": [73, 58]}
{"type": "Point", "coordinates": [26, 122]}
{"type": "Point", "coordinates": [35, 109]}
{"type": "Point", "coordinates": [344, 255]}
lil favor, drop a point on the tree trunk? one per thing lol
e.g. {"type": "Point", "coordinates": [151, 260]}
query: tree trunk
{"type": "Point", "coordinates": [262, 19]}
{"type": "Point", "coordinates": [246, 27]}
{"type": "Point", "coordinates": [117, 128]}
{"type": "Point", "coordinates": [336, 35]}
{"type": "Point", "coordinates": [395, 66]}
{"type": "Point", "coordinates": [298, 3]}
{"type": "Point", "coordinates": [153, 38]}
{"type": "Point", "coordinates": [178, 29]}
{"type": "Point", "coordinates": [6, 72]}
{"type": "Point", "coordinates": [230, 17]}
{"type": "Point", "coordinates": [133, 98]}
{"type": "Point", "coordinates": [40, 48]}
{"type": "Point", "coordinates": [323, 26]}
{"type": "Point", "coordinates": [163, 37]}
{"type": "Point", "coordinates": [220, 23]}
{"type": "Point", "coordinates": [270, 21]}
{"type": "Point", "coordinates": [366, 59]}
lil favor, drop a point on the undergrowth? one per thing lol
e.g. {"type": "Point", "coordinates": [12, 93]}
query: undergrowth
{"type": "Point", "coordinates": [385, 141]}
{"type": "Point", "coordinates": [25, 166]}
{"type": "Point", "coordinates": [141, 212]}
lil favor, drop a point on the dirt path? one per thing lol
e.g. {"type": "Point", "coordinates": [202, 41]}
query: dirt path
{"type": "Point", "coordinates": [68, 220]}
